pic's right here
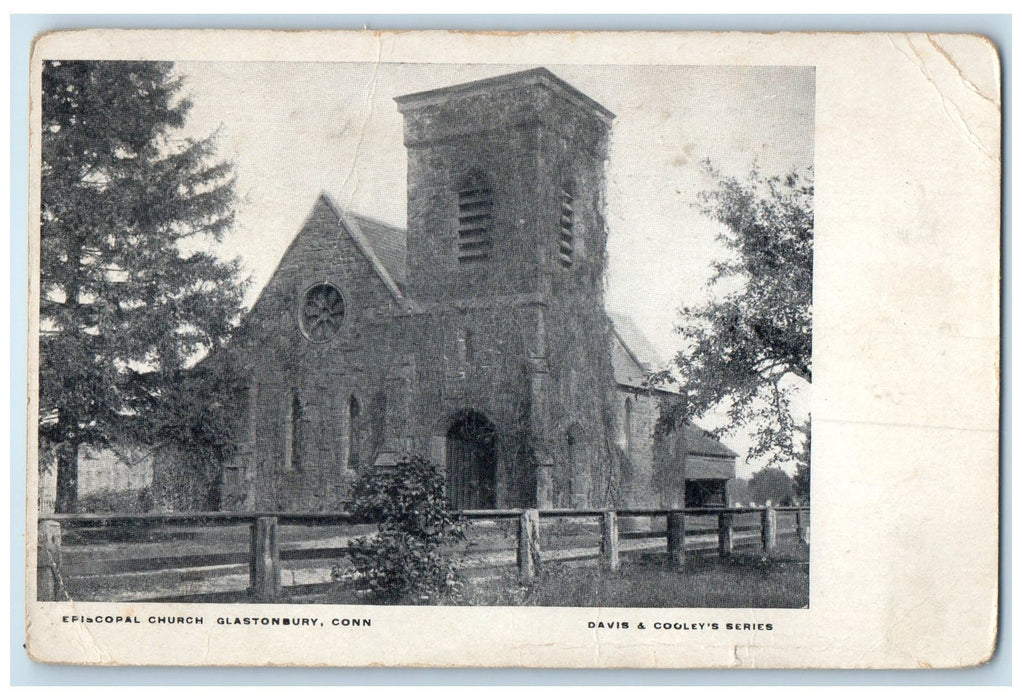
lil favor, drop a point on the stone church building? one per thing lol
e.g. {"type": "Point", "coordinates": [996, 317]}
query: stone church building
{"type": "Point", "coordinates": [477, 337]}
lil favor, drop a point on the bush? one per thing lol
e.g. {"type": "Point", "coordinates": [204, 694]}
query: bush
{"type": "Point", "coordinates": [410, 559]}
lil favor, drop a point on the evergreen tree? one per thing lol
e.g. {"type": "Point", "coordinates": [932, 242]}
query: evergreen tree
{"type": "Point", "coordinates": [128, 295]}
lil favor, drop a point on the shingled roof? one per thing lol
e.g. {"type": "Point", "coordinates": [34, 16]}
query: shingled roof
{"type": "Point", "coordinates": [390, 243]}
{"type": "Point", "coordinates": [633, 357]}
{"type": "Point", "coordinates": [702, 443]}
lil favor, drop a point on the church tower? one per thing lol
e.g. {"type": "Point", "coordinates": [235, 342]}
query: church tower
{"type": "Point", "coordinates": [505, 186]}
{"type": "Point", "coordinates": [506, 257]}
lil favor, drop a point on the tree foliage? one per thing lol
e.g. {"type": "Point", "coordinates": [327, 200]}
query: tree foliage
{"type": "Point", "coordinates": [128, 296]}
{"type": "Point", "coordinates": [750, 346]}
{"type": "Point", "coordinates": [196, 432]}
{"type": "Point", "coordinates": [771, 484]}
{"type": "Point", "coordinates": [409, 559]}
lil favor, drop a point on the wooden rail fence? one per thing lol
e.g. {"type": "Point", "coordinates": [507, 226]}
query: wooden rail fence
{"type": "Point", "coordinates": [265, 553]}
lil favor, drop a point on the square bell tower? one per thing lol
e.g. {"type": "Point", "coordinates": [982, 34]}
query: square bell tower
{"type": "Point", "coordinates": [506, 256]}
{"type": "Point", "coordinates": [505, 187]}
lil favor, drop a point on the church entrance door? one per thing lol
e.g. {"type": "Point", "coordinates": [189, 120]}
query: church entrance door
{"type": "Point", "coordinates": [471, 462]}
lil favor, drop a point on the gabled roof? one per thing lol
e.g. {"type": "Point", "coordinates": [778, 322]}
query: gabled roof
{"type": "Point", "coordinates": [390, 243]}
{"type": "Point", "coordinates": [702, 443]}
{"type": "Point", "coordinates": [627, 371]}
{"type": "Point", "coordinates": [384, 237]}
{"type": "Point", "coordinates": [632, 355]}
{"type": "Point", "coordinates": [384, 245]}
{"type": "Point", "coordinates": [635, 341]}
{"type": "Point", "coordinates": [633, 358]}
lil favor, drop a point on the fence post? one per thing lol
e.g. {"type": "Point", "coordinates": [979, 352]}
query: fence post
{"type": "Point", "coordinates": [528, 545]}
{"type": "Point", "coordinates": [676, 539]}
{"type": "Point", "coordinates": [609, 545]}
{"type": "Point", "coordinates": [801, 531]}
{"type": "Point", "coordinates": [48, 562]}
{"type": "Point", "coordinates": [725, 535]}
{"type": "Point", "coordinates": [264, 570]}
{"type": "Point", "coordinates": [769, 529]}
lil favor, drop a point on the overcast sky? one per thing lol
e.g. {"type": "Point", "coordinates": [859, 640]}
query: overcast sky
{"type": "Point", "coordinates": [296, 129]}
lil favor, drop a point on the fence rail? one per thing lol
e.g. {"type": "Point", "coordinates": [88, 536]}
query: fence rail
{"type": "Point", "coordinates": [264, 552]}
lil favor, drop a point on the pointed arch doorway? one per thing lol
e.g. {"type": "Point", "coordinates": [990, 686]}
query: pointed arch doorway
{"type": "Point", "coordinates": [472, 462]}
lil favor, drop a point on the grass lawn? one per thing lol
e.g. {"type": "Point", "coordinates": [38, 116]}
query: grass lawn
{"type": "Point", "coordinates": [746, 580]}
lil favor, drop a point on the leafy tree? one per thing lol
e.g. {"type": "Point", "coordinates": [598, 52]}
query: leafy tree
{"type": "Point", "coordinates": [127, 294]}
{"type": "Point", "coordinates": [750, 346]}
{"type": "Point", "coordinates": [771, 484]}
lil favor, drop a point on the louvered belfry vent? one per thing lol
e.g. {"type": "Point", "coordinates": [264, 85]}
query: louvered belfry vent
{"type": "Point", "coordinates": [566, 243]}
{"type": "Point", "coordinates": [475, 221]}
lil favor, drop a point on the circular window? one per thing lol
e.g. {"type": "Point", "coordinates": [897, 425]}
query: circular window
{"type": "Point", "coordinates": [322, 312]}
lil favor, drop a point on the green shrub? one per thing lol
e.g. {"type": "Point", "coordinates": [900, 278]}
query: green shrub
{"type": "Point", "coordinates": [410, 559]}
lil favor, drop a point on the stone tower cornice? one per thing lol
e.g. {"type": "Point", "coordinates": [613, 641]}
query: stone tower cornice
{"type": "Point", "coordinates": [536, 76]}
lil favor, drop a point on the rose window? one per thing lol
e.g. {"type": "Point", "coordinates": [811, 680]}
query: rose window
{"type": "Point", "coordinates": [322, 312]}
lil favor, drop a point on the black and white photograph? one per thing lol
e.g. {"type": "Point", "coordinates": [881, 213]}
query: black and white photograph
{"type": "Point", "coordinates": [331, 343]}
{"type": "Point", "coordinates": [427, 334]}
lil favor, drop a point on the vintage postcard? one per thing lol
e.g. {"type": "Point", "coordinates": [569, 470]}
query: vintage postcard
{"type": "Point", "coordinates": [454, 349]}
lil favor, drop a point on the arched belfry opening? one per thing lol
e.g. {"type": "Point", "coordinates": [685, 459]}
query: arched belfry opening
{"type": "Point", "coordinates": [472, 462]}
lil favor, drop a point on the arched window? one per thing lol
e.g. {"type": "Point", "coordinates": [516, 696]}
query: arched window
{"type": "Point", "coordinates": [293, 433]}
{"type": "Point", "coordinates": [378, 419]}
{"type": "Point", "coordinates": [627, 437]}
{"type": "Point", "coordinates": [475, 218]}
{"type": "Point", "coordinates": [354, 410]}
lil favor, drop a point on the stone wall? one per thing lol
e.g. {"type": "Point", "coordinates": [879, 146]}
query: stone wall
{"type": "Point", "coordinates": [295, 452]}
{"type": "Point", "coordinates": [653, 468]}
{"type": "Point", "coordinates": [542, 370]}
